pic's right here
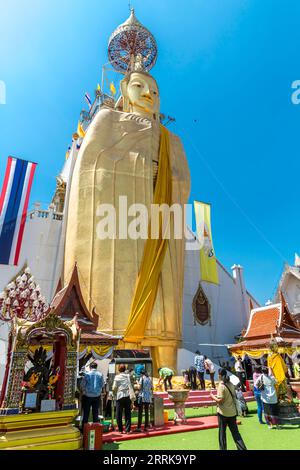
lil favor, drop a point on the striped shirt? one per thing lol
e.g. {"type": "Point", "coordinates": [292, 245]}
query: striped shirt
{"type": "Point", "coordinates": [145, 393]}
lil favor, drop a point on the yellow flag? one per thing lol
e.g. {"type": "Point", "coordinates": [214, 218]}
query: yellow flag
{"type": "Point", "coordinates": [80, 130]}
{"type": "Point", "coordinates": [113, 88]}
{"type": "Point", "coordinates": [98, 87]}
{"type": "Point", "coordinates": [208, 261]}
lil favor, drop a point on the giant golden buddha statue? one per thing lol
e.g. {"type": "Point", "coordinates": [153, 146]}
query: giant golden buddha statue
{"type": "Point", "coordinates": [136, 284]}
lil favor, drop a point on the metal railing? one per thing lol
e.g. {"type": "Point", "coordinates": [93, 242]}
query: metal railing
{"type": "Point", "coordinates": [38, 213]}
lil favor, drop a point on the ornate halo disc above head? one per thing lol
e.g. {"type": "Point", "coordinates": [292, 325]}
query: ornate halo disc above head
{"type": "Point", "coordinates": [132, 47]}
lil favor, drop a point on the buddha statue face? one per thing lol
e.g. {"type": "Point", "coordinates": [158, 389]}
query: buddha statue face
{"type": "Point", "coordinates": [140, 95]}
{"type": "Point", "coordinates": [273, 346]}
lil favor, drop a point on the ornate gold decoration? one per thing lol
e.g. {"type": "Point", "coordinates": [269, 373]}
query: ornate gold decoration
{"type": "Point", "coordinates": [60, 195]}
{"type": "Point", "coordinates": [22, 299]}
{"type": "Point", "coordinates": [201, 307]}
{"type": "Point", "coordinates": [51, 324]}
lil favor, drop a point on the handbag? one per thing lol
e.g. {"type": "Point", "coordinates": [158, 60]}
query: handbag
{"type": "Point", "coordinates": [236, 402]}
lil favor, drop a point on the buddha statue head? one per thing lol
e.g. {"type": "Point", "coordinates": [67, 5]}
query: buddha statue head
{"type": "Point", "coordinates": [273, 345]}
{"type": "Point", "coordinates": [140, 95]}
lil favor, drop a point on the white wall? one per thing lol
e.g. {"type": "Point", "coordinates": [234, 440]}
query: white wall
{"type": "Point", "coordinates": [228, 302]}
{"type": "Point", "coordinates": [291, 292]}
{"type": "Point", "coordinates": [39, 250]}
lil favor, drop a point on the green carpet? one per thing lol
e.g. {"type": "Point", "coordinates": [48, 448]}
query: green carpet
{"type": "Point", "coordinates": [255, 435]}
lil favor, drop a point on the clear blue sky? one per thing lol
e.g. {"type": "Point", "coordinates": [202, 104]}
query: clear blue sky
{"type": "Point", "coordinates": [226, 64]}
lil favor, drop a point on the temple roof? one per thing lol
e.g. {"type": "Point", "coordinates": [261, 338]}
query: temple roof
{"type": "Point", "coordinates": [69, 302]}
{"type": "Point", "coordinates": [96, 337]}
{"type": "Point", "coordinates": [265, 323]}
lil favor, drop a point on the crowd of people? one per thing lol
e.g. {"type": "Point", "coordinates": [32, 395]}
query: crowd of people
{"type": "Point", "coordinates": [203, 367]}
{"type": "Point", "coordinates": [133, 390]}
{"type": "Point", "coordinates": [130, 390]}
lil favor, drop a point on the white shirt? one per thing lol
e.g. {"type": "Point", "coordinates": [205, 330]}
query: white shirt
{"type": "Point", "coordinates": [121, 385]}
{"type": "Point", "coordinates": [209, 365]}
{"type": "Point", "coordinates": [268, 394]}
{"type": "Point", "coordinates": [238, 366]}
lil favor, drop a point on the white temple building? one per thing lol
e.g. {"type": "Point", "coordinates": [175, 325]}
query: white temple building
{"type": "Point", "coordinates": [222, 312]}
{"type": "Point", "coordinates": [289, 285]}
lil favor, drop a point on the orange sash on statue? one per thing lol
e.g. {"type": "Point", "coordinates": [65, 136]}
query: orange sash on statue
{"type": "Point", "coordinates": [154, 252]}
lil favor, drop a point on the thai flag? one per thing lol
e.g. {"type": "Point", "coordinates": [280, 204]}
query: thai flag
{"type": "Point", "coordinates": [88, 99]}
{"type": "Point", "coordinates": [14, 200]}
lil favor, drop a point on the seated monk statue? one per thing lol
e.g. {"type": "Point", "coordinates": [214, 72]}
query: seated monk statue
{"type": "Point", "coordinates": [136, 284]}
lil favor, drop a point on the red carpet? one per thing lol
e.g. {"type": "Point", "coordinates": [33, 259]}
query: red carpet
{"type": "Point", "coordinates": [194, 424]}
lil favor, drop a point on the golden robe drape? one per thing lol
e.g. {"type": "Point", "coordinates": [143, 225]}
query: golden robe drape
{"type": "Point", "coordinates": [154, 252]}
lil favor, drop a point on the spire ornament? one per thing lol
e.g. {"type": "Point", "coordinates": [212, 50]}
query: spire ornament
{"type": "Point", "coordinates": [132, 47]}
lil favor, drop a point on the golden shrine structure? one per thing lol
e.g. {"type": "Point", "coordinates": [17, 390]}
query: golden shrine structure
{"type": "Point", "coordinates": [266, 324]}
{"type": "Point", "coordinates": [45, 348]}
{"type": "Point", "coordinates": [273, 338]}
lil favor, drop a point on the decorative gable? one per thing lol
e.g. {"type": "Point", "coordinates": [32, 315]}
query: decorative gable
{"type": "Point", "coordinates": [201, 307]}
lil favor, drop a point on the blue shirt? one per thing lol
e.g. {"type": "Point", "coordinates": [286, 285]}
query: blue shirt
{"type": "Point", "coordinates": [92, 384]}
{"type": "Point", "coordinates": [146, 389]}
{"type": "Point", "coordinates": [199, 363]}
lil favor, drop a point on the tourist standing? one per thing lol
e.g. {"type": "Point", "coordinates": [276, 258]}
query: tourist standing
{"type": "Point", "coordinates": [144, 400]}
{"type": "Point", "coordinates": [91, 386]}
{"type": "Point", "coordinates": [166, 375]}
{"type": "Point", "coordinates": [227, 411]}
{"type": "Point", "coordinates": [257, 393]}
{"type": "Point", "coordinates": [199, 364]}
{"type": "Point", "coordinates": [193, 377]}
{"type": "Point", "coordinates": [266, 384]}
{"type": "Point", "coordinates": [125, 395]}
{"type": "Point", "coordinates": [239, 370]}
{"type": "Point", "coordinates": [210, 369]}
{"type": "Point", "coordinates": [241, 399]}
{"type": "Point", "coordinates": [186, 378]}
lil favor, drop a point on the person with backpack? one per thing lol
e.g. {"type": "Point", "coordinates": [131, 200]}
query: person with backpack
{"type": "Point", "coordinates": [144, 400]}
{"type": "Point", "coordinates": [91, 386]}
{"type": "Point", "coordinates": [267, 386]}
{"type": "Point", "coordinates": [227, 411]}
